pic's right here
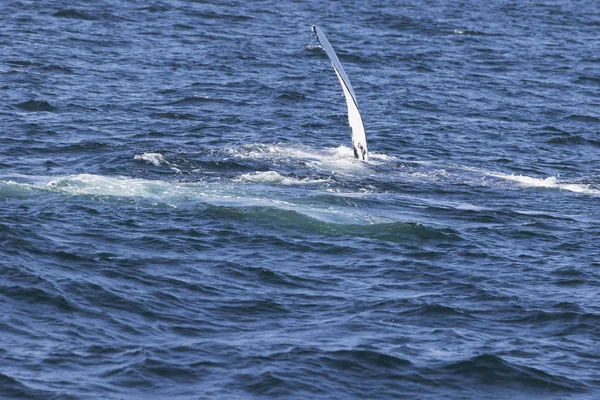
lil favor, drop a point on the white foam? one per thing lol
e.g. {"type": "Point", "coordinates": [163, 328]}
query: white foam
{"type": "Point", "coordinates": [171, 193]}
{"type": "Point", "coordinates": [338, 160]}
{"type": "Point", "coordinates": [274, 152]}
{"type": "Point", "coordinates": [88, 184]}
{"type": "Point", "coordinates": [550, 182]}
{"type": "Point", "coordinates": [273, 177]}
{"type": "Point", "coordinates": [156, 159]}
{"type": "Point", "coordinates": [176, 194]}
{"type": "Point", "coordinates": [312, 46]}
{"type": "Point", "coordinates": [153, 158]}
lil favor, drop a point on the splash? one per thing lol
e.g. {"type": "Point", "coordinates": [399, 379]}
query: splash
{"type": "Point", "coordinates": [157, 160]}
{"type": "Point", "coordinates": [272, 177]}
{"type": "Point", "coordinates": [153, 158]}
{"type": "Point", "coordinates": [330, 160]}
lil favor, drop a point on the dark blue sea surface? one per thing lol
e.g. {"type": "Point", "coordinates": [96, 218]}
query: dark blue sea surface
{"type": "Point", "coordinates": [181, 214]}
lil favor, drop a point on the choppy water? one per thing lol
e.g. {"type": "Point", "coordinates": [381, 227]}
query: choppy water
{"type": "Point", "coordinates": [182, 217]}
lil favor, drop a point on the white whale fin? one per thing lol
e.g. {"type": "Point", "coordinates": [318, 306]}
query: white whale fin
{"type": "Point", "coordinates": [359, 138]}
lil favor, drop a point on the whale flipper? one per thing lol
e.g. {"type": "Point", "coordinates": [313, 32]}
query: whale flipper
{"type": "Point", "coordinates": [359, 139]}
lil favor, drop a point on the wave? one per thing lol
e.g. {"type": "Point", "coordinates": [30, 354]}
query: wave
{"type": "Point", "coordinates": [575, 139]}
{"type": "Point", "coordinates": [583, 118]}
{"type": "Point", "coordinates": [291, 96]}
{"type": "Point", "coordinates": [193, 100]}
{"type": "Point", "coordinates": [473, 32]}
{"type": "Point", "coordinates": [173, 115]}
{"type": "Point", "coordinates": [22, 63]}
{"type": "Point", "coordinates": [496, 371]}
{"type": "Point", "coordinates": [36, 106]}
{"type": "Point", "coordinates": [156, 159]}
{"type": "Point", "coordinates": [153, 158]}
{"type": "Point", "coordinates": [14, 388]}
{"type": "Point", "coordinates": [74, 14]}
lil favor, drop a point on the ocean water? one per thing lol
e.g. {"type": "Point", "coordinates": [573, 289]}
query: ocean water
{"type": "Point", "coordinates": [181, 215]}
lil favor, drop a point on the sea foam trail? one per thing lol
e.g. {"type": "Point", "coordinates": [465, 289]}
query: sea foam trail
{"type": "Point", "coordinates": [340, 161]}
{"type": "Point", "coordinates": [473, 175]}
{"type": "Point", "coordinates": [182, 194]}
{"type": "Point", "coordinates": [550, 182]}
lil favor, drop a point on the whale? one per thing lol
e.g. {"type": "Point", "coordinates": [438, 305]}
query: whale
{"type": "Point", "coordinates": [359, 138]}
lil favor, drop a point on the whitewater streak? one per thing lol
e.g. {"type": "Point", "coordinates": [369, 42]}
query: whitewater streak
{"type": "Point", "coordinates": [550, 183]}
{"type": "Point", "coordinates": [238, 193]}
{"type": "Point", "coordinates": [336, 161]}
{"type": "Point", "coordinates": [325, 194]}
